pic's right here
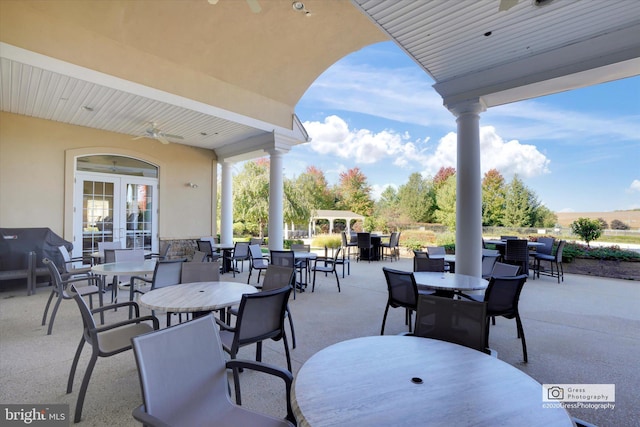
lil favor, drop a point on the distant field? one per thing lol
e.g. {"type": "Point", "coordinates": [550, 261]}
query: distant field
{"type": "Point", "coordinates": [631, 218]}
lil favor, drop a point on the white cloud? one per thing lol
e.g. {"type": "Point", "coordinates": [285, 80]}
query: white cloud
{"type": "Point", "coordinates": [333, 137]}
{"type": "Point", "coordinates": [635, 185]}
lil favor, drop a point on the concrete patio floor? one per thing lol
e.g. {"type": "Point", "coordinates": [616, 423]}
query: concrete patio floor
{"type": "Point", "coordinates": [584, 330]}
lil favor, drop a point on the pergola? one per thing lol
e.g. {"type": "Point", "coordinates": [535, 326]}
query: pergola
{"type": "Point", "coordinates": [226, 76]}
{"type": "Point", "coordinates": [331, 216]}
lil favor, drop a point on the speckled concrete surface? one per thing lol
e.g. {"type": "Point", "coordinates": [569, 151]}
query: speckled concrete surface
{"type": "Point", "coordinates": [585, 330]}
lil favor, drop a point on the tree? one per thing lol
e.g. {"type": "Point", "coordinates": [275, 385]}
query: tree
{"type": "Point", "coordinates": [251, 194]}
{"type": "Point", "coordinates": [493, 198]}
{"type": "Point", "coordinates": [616, 224]}
{"type": "Point", "coordinates": [446, 201]}
{"type": "Point", "coordinates": [603, 223]}
{"type": "Point", "coordinates": [415, 199]}
{"type": "Point", "coordinates": [354, 193]}
{"type": "Point", "coordinates": [314, 189]}
{"type": "Point", "coordinates": [442, 175]}
{"type": "Point", "coordinates": [587, 229]}
{"type": "Point", "coordinates": [387, 207]}
{"type": "Point", "coordinates": [544, 218]}
{"type": "Point", "coordinates": [519, 204]}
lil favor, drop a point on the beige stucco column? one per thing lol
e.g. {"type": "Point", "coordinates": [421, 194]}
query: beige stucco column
{"type": "Point", "coordinates": [469, 188]}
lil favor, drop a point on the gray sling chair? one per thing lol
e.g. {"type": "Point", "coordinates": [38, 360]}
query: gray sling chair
{"type": "Point", "coordinates": [200, 272]}
{"type": "Point", "coordinates": [275, 277]}
{"type": "Point", "coordinates": [456, 321]}
{"type": "Point", "coordinates": [260, 317]}
{"type": "Point", "coordinates": [105, 341]}
{"type": "Point", "coordinates": [60, 290]}
{"type": "Point", "coordinates": [195, 394]}
{"type": "Point", "coordinates": [257, 261]}
{"type": "Point", "coordinates": [166, 273]}
{"type": "Point", "coordinates": [402, 292]}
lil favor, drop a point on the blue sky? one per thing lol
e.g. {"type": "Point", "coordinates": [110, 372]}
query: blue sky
{"type": "Point", "coordinates": [375, 109]}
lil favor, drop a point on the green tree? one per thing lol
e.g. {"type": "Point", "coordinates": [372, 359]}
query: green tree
{"type": "Point", "coordinates": [493, 198]}
{"type": "Point", "coordinates": [587, 229]}
{"type": "Point", "coordinates": [519, 204]}
{"type": "Point", "coordinates": [354, 193]}
{"type": "Point", "coordinates": [314, 189]}
{"type": "Point", "coordinates": [388, 208]}
{"type": "Point", "coordinates": [415, 199]}
{"type": "Point", "coordinates": [251, 194]}
{"type": "Point", "coordinates": [296, 208]}
{"type": "Point", "coordinates": [544, 217]}
{"type": "Point", "coordinates": [446, 201]}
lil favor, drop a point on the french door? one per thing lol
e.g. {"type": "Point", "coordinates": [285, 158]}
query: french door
{"type": "Point", "coordinates": [110, 207]}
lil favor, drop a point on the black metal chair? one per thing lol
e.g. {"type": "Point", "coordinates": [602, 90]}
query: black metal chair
{"type": "Point", "coordinates": [517, 252]}
{"type": "Point", "coordinates": [428, 264]}
{"type": "Point", "coordinates": [552, 259]}
{"type": "Point", "coordinates": [326, 265]}
{"type": "Point", "coordinates": [365, 247]}
{"type": "Point", "coordinates": [402, 292]}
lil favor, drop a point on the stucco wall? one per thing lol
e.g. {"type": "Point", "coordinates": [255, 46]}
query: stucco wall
{"type": "Point", "coordinates": [32, 176]}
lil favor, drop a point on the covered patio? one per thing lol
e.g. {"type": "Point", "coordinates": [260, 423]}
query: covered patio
{"type": "Point", "coordinates": [585, 330]}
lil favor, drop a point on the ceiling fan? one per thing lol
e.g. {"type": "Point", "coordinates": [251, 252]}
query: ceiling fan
{"type": "Point", "coordinates": [154, 133]}
{"type": "Point", "coordinates": [253, 5]}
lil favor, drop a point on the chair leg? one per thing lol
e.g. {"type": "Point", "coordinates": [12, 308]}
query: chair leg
{"type": "Point", "coordinates": [521, 333]}
{"type": "Point", "coordinates": [84, 386]}
{"type": "Point", "coordinates": [384, 319]}
{"type": "Point", "coordinates": [249, 278]}
{"type": "Point", "coordinates": [313, 285]}
{"type": "Point", "coordinates": [53, 314]}
{"type": "Point", "coordinates": [286, 350]}
{"type": "Point", "coordinates": [74, 365]}
{"type": "Point", "coordinates": [46, 308]}
{"type": "Point", "coordinates": [293, 332]}
{"type": "Point", "coordinates": [337, 279]}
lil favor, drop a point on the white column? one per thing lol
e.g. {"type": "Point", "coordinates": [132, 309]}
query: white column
{"type": "Point", "coordinates": [226, 204]}
{"type": "Point", "coordinates": [469, 189]}
{"type": "Point", "coordinates": [276, 190]}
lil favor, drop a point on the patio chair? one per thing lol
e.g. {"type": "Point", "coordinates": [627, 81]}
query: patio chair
{"type": "Point", "coordinates": [303, 265]}
{"type": "Point", "coordinates": [327, 265]}
{"type": "Point", "coordinates": [456, 321]}
{"type": "Point", "coordinates": [517, 252]}
{"type": "Point", "coordinates": [67, 269]}
{"type": "Point", "coordinates": [161, 255]}
{"type": "Point", "coordinates": [488, 263]}
{"type": "Point", "coordinates": [205, 246]}
{"type": "Point", "coordinates": [105, 341]}
{"type": "Point", "coordinates": [198, 394]}
{"type": "Point", "coordinates": [257, 261]}
{"type": "Point", "coordinates": [365, 247]}
{"type": "Point", "coordinates": [285, 259]}
{"type": "Point", "coordinates": [200, 272]}
{"type": "Point", "coordinates": [260, 317]}
{"type": "Point", "coordinates": [199, 257]}
{"type": "Point", "coordinates": [344, 261]}
{"type": "Point", "coordinates": [165, 273]}
{"type": "Point", "coordinates": [402, 292]}
{"type": "Point", "coordinates": [347, 244]}
{"type": "Point", "coordinates": [502, 297]}
{"type": "Point", "coordinates": [420, 254]}
{"type": "Point", "coordinates": [240, 253]}
{"type": "Point", "coordinates": [428, 264]}
{"type": "Point", "coordinates": [552, 259]}
{"type": "Point", "coordinates": [59, 290]}
{"type": "Point", "coordinates": [390, 247]}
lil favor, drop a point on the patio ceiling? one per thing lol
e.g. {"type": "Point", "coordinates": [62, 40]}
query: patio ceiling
{"type": "Point", "coordinates": [226, 78]}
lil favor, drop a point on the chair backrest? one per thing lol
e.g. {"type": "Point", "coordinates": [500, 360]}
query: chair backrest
{"type": "Point", "coordinates": [436, 250]}
{"type": "Point", "coordinates": [559, 250]}
{"type": "Point", "coordinates": [283, 258]}
{"type": "Point", "coordinates": [501, 269]}
{"type": "Point", "coordinates": [299, 247]}
{"type": "Point", "coordinates": [109, 255]}
{"type": "Point", "coordinates": [88, 321]}
{"type": "Point", "coordinates": [199, 272]}
{"type": "Point", "coordinates": [204, 246]}
{"type": "Point", "coordinates": [428, 264]}
{"type": "Point", "coordinates": [170, 384]}
{"type": "Point", "coordinates": [457, 321]}
{"type": "Point", "coordinates": [508, 237]}
{"type": "Point", "coordinates": [364, 240]}
{"type": "Point", "coordinates": [261, 316]}
{"type": "Point", "coordinates": [490, 252]}
{"type": "Point", "coordinates": [343, 236]}
{"type": "Point", "coordinates": [420, 254]}
{"type": "Point", "coordinates": [402, 287]}
{"type": "Point", "coordinates": [488, 263]}
{"type": "Point", "coordinates": [256, 252]}
{"type": "Point", "coordinates": [393, 240]}
{"type": "Point", "coordinates": [56, 278]}
{"type": "Point", "coordinates": [199, 256]}
{"type": "Point", "coordinates": [548, 243]}
{"type": "Point", "coordinates": [116, 244]}
{"type": "Point", "coordinates": [167, 273]}
{"type": "Point", "coordinates": [503, 293]}
{"type": "Point", "coordinates": [66, 259]}
{"type": "Point", "coordinates": [129, 255]}
{"type": "Point", "coordinates": [256, 241]}
{"type": "Point", "coordinates": [517, 250]}
{"type": "Point", "coordinates": [277, 277]}
{"type": "Point", "coordinates": [241, 250]}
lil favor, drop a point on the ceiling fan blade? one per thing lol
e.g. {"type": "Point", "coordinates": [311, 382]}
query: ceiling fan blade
{"type": "Point", "coordinates": [168, 135]}
{"type": "Point", "coordinates": [254, 6]}
{"type": "Point", "coordinates": [138, 137]}
{"type": "Point", "coordinates": [507, 4]}
{"type": "Point", "coordinates": [162, 139]}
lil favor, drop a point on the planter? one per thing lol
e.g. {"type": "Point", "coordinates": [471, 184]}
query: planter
{"type": "Point", "coordinates": [629, 270]}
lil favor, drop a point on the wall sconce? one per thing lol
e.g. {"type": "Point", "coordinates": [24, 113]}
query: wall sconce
{"type": "Point", "coordinates": [191, 185]}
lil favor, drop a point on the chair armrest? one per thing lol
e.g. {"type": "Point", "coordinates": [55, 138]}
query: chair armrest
{"type": "Point", "coordinates": [118, 305]}
{"type": "Point", "coordinates": [140, 278]}
{"type": "Point", "coordinates": [224, 326]}
{"type": "Point", "coordinates": [141, 415]}
{"type": "Point", "coordinates": [286, 376]}
{"type": "Point", "coordinates": [154, 319]}
{"type": "Point", "coordinates": [83, 279]}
